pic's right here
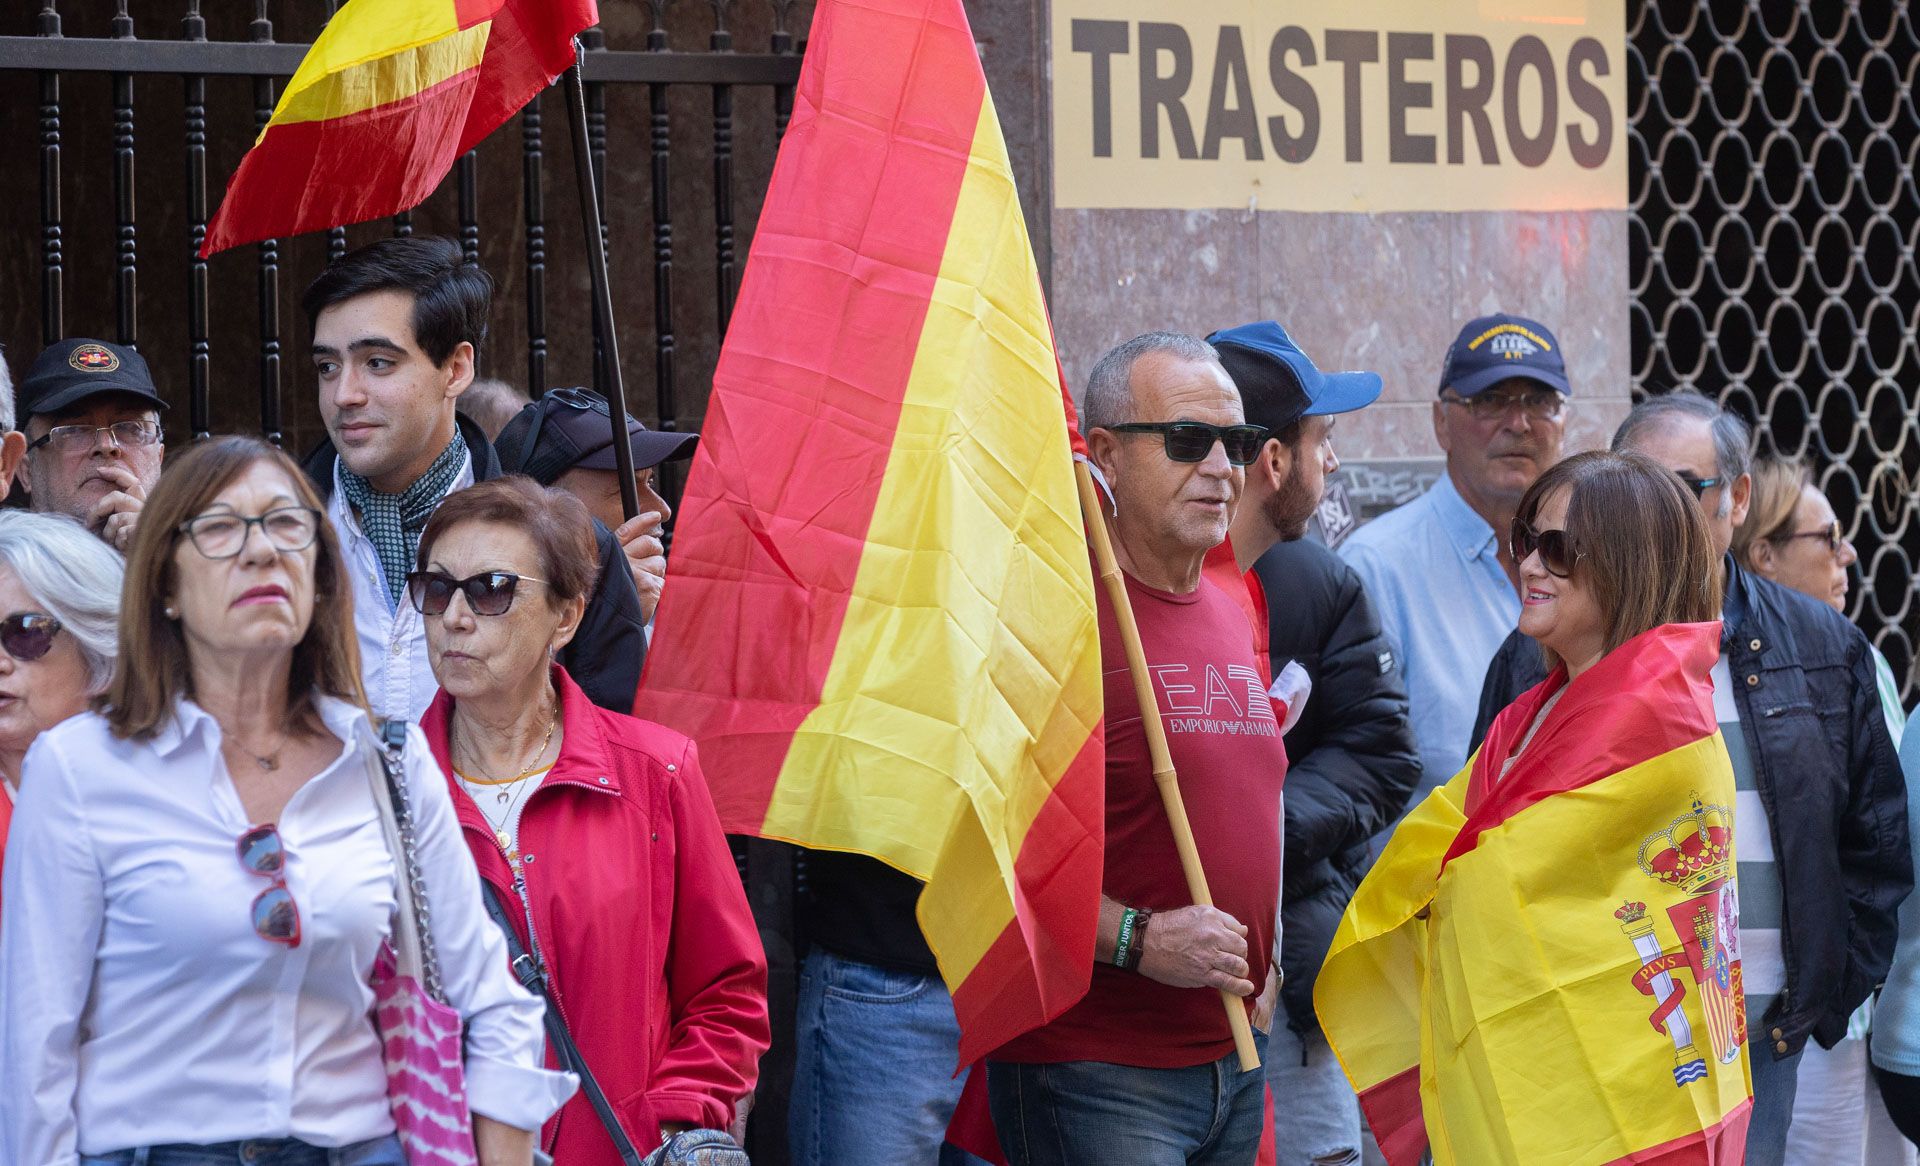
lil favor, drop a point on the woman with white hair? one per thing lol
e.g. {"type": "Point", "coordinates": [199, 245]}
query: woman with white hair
{"type": "Point", "coordinates": [59, 609]}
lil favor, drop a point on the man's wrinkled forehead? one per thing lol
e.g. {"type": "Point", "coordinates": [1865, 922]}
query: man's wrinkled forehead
{"type": "Point", "coordinates": [99, 409]}
{"type": "Point", "coordinates": [1175, 387]}
{"type": "Point", "coordinates": [1681, 442]}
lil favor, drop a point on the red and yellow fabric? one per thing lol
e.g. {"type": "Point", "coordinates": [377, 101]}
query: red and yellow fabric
{"type": "Point", "coordinates": [879, 620]}
{"type": "Point", "coordinates": [391, 92]}
{"type": "Point", "coordinates": [1543, 967]}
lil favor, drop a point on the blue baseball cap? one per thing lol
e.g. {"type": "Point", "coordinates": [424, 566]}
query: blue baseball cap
{"type": "Point", "coordinates": [1280, 384]}
{"type": "Point", "coordinates": [1497, 348]}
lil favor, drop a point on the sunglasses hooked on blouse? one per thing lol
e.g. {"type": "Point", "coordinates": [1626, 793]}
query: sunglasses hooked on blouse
{"type": "Point", "coordinates": [1557, 552]}
{"type": "Point", "coordinates": [488, 593]}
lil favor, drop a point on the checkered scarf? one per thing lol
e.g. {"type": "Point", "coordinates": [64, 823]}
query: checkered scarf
{"type": "Point", "coordinates": [393, 522]}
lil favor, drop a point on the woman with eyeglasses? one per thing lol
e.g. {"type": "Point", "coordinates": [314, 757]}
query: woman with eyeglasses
{"type": "Point", "coordinates": [59, 602]}
{"type": "Point", "coordinates": [592, 830]}
{"type": "Point", "coordinates": [1485, 988]}
{"type": "Point", "coordinates": [198, 880]}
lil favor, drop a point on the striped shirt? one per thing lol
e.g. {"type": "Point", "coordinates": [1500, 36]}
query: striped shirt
{"type": "Point", "coordinates": [1762, 967]}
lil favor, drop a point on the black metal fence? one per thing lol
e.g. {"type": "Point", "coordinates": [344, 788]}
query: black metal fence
{"type": "Point", "coordinates": [1774, 229]}
{"type": "Point", "coordinates": [137, 134]}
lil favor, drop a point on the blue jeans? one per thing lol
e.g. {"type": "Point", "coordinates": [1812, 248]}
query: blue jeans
{"type": "Point", "coordinates": [1076, 1112]}
{"type": "Point", "coordinates": [1316, 1117]}
{"type": "Point", "coordinates": [258, 1152]}
{"type": "Point", "coordinates": [873, 1081]}
{"type": "Point", "coordinates": [1774, 1085]}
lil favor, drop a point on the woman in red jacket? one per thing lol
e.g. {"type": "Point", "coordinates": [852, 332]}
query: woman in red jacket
{"type": "Point", "coordinates": [593, 829]}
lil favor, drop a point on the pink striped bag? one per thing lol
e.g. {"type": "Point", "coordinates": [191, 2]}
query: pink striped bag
{"type": "Point", "coordinates": [420, 1034]}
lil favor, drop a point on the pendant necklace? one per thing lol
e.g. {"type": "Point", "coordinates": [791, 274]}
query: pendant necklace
{"type": "Point", "coordinates": [511, 797]}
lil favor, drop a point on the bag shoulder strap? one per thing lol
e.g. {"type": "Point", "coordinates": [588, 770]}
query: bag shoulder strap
{"type": "Point", "coordinates": [534, 979]}
{"type": "Point", "coordinates": [413, 924]}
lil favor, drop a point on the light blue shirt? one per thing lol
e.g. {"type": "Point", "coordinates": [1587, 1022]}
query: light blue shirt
{"type": "Point", "coordinates": [1432, 569]}
{"type": "Point", "coordinates": [1896, 1019]}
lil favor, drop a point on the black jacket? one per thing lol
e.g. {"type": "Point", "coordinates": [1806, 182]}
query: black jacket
{"type": "Point", "coordinates": [610, 646]}
{"type": "Point", "coordinates": [1826, 769]}
{"type": "Point", "coordinates": [1352, 763]}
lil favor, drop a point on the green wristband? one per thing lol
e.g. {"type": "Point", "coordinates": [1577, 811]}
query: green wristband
{"type": "Point", "coordinates": [1125, 940]}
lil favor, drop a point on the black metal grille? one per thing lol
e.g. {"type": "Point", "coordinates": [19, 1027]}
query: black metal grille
{"type": "Point", "coordinates": [1775, 220]}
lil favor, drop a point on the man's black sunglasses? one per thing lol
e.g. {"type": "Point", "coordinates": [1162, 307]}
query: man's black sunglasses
{"type": "Point", "coordinates": [1192, 441]}
{"type": "Point", "coordinates": [1699, 486]}
{"type": "Point", "coordinates": [1557, 552]}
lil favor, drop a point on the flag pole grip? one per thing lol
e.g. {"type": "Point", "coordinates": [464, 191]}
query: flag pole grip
{"type": "Point", "coordinates": [1164, 776]}
{"type": "Point", "coordinates": [602, 286]}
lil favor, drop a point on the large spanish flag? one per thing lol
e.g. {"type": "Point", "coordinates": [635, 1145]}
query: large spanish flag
{"type": "Point", "coordinates": [1544, 966]}
{"type": "Point", "coordinates": [391, 92]}
{"type": "Point", "coordinates": [878, 621]}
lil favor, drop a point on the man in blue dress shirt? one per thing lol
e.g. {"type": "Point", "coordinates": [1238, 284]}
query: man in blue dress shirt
{"type": "Point", "coordinates": [1437, 568]}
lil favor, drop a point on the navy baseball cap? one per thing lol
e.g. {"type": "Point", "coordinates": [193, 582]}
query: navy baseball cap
{"type": "Point", "coordinates": [569, 429]}
{"type": "Point", "coordinates": [1283, 382]}
{"type": "Point", "coordinates": [77, 368]}
{"type": "Point", "coordinates": [1496, 348]}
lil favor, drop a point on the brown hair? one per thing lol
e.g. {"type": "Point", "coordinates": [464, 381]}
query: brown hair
{"type": "Point", "coordinates": [1777, 485]}
{"type": "Point", "coordinates": [1641, 541]}
{"type": "Point", "coordinates": [152, 675]}
{"type": "Point", "coordinates": [556, 521]}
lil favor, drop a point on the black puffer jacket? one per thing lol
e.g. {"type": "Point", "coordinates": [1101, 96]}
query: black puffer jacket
{"type": "Point", "coordinates": [1826, 769]}
{"type": "Point", "coordinates": [610, 647]}
{"type": "Point", "coordinates": [1351, 759]}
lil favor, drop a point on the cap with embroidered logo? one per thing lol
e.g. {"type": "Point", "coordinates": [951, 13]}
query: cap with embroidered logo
{"type": "Point", "coordinates": [1498, 348]}
{"type": "Point", "coordinates": [77, 368]}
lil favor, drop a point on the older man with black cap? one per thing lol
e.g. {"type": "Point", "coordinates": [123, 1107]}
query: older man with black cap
{"type": "Point", "coordinates": [565, 439]}
{"type": "Point", "coordinates": [93, 438]}
{"type": "Point", "coordinates": [1351, 761]}
{"type": "Point", "coordinates": [1438, 567]}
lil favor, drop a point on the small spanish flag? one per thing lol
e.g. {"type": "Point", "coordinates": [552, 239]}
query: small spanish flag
{"type": "Point", "coordinates": [1544, 965]}
{"type": "Point", "coordinates": [391, 92]}
{"type": "Point", "coordinates": [878, 621]}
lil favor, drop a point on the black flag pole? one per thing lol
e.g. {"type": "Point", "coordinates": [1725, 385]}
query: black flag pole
{"type": "Point", "coordinates": [602, 287]}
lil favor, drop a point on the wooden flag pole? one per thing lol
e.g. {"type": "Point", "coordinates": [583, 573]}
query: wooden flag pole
{"type": "Point", "coordinates": [602, 287]}
{"type": "Point", "coordinates": [1164, 776]}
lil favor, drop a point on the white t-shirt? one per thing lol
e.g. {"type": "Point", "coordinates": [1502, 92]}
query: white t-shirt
{"type": "Point", "coordinates": [501, 804]}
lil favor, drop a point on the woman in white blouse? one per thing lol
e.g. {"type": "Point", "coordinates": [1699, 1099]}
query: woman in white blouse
{"type": "Point", "coordinates": [161, 1000]}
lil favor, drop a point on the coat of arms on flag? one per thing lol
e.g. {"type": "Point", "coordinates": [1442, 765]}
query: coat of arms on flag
{"type": "Point", "coordinates": [1695, 855]}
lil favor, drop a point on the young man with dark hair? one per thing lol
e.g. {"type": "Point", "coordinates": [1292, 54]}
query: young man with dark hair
{"type": "Point", "coordinates": [396, 331]}
{"type": "Point", "coordinates": [1351, 758]}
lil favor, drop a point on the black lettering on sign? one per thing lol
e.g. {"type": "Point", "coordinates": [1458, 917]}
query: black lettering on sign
{"type": "Point", "coordinates": [1468, 103]}
{"type": "Point", "coordinates": [1587, 152]}
{"type": "Point", "coordinates": [1159, 92]}
{"type": "Point", "coordinates": [1239, 119]}
{"type": "Point", "coordinates": [1352, 49]}
{"type": "Point", "coordinates": [1530, 52]}
{"type": "Point", "coordinates": [1103, 39]}
{"type": "Point", "coordinates": [1403, 95]}
{"type": "Point", "coordinates": [1295, 90]}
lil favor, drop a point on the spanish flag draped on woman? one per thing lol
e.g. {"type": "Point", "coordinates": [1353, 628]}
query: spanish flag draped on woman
{"type": "Point", "coordinates": [1543, 968]}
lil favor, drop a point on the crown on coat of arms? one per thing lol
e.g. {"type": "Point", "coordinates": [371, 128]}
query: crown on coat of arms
{"type": "Point", "coordinates": [1694, 852]}
{"type": "Point", "coordinates": [1630, 912]}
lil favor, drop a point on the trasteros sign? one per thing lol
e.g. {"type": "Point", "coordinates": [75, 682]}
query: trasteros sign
{"type": "Point", "coordinates": [1359, 105]}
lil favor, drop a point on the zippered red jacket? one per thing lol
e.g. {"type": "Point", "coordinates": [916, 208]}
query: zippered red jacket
{"type": "Point", "coordinates": [649, 943]}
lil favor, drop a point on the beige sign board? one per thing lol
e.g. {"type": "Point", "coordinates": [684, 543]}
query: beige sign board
{"type": "Point", "coordinates": [1340, 105]}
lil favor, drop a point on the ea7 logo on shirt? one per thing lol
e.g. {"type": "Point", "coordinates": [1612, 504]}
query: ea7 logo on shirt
{"type": "Point", "coordinates": [1229, 701]}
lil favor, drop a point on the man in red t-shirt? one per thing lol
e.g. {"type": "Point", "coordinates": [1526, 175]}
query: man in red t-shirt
{"type": "Point", "coordinates": [1142, 1070]}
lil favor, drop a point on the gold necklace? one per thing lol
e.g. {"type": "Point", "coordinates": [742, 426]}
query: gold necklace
{"type": "Point", "coordinates": [500, 835]}
{"type": "Point", "coordinates": [486, 778]}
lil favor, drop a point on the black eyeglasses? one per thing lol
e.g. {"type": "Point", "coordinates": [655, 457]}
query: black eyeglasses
{"type": "Point", "coordinates": [28, 635]}
{"type": "Point", "coordinates": [488, 593]}
{"type": "Point", "coordinates": [1699, 486]}
{"type": "Point", "coordinates": [1557, 552]}
{"type": "Point", "coordinates": [1192, 441]}
{"type": "Point", "coordinates": [1832, 535]}
{"type": "Point", "coordinates": [222, 536]}
{"type": "Point", "coordinates": [74, 438]}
